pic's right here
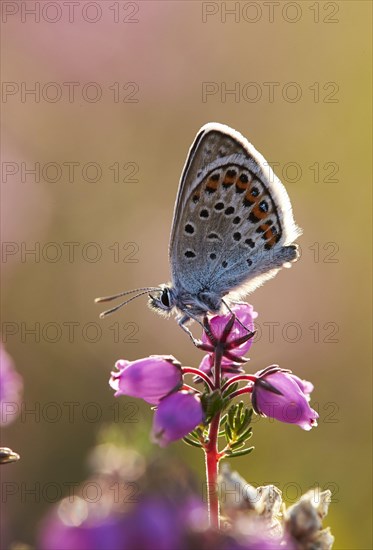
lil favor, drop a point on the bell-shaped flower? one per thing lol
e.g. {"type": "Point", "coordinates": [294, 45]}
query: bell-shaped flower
{"type": "Point", "coordinates": [281, 395]}
{"type": "Point", "coordinates": [151, 378]}
{"type": "Point", "coordinates": [305, 386]}
{"type": "Point", "coordinates": [176, 416]}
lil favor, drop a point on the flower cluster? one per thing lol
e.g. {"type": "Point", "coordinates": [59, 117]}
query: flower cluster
{"type": "Point", "coordinates": [182, 409]}
{"type": "Point", "coordinates": [169, 512]}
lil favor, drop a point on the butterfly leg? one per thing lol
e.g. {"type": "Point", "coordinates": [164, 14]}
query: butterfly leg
{"type": "Point", "coordinates": [205, 326]}
{"type": "Point", "coordinates": [182, 324]}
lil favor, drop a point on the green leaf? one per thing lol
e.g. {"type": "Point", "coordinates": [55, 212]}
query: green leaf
{"type": "Point", "coordinates": [237, 415]}
{"type": "Point", "coordinates": [244, 425]}
{"type": "Point", "coordinates": [246, 435]}
{"type": "Point", "coordinates": [231, 415]}
{"type": "Point", "coordinates": [195, 435]}
{"type": "Point", "coordinates": [230, 389]}
{"type": "Point", "coordinates": [212, 404]}
{"type": "Point", "coordinates": [244, 415]}
{"type": "Point", "coordinates": [223, 420]}
{"type": "Point", "coordinates": [228, 433]}
{"type": "Point", "coordinates": [241, 453]}
{"type": "Point", "coordinates": [237, 445]}
{"type": "Point", "coordinates": [191, 442]}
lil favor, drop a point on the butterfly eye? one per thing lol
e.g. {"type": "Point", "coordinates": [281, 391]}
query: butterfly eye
{"type": "Point", "coordinates": [165, 299]}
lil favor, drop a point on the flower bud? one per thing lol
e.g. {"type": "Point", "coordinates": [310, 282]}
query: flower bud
{"type": "Point", "coordinates": [176, 416]}
{"type": "Point", "coordinates": [280, 395]}
{"type": "Point", "coordinates": [151, 378]}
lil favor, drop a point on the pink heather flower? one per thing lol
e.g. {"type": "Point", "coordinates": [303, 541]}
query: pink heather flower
{"type": "Point", "coordinates": [151, 378]}
{"type": "Point", "coordinates": [176, 416]}
{"type": "Point", "coordinates": [283, 396]}
{"type": "Point", "coordinates": [246, 314]}
{"type": "Point", "coordinates": [11, 387]}
{"type": "Point", "coordinates": [305, 386]}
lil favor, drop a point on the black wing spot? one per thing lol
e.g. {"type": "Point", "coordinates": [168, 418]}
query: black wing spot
{"type": "Point", "coordinates": [189, 228]}
{"type": "Point", "coordinates": [247, 202]}
{"type": "Point", "coordinates": [213, 236]}
{"type": "Point", "coordinates": [250, 243]}
{"type": "Point", "coordinates": [190, 254]}
{"type": "Point", "coordinates": [213, 256]}
{"type": "Point", "coordinates": [224, 264]}
{"type": "Point", "coordinates": [229, 211]}
{"type": "Point", "coordinates": [244, 178]}
{"type": "Point", "coordinates": [254, 192]}
{"type": "Point", "coordinates": [249, 262]}
{"type": "Point", "coordinates": [215, 177]}
{"type": "Point", "coordinates": [252, 218]}
{"type": "Point", "coordinates": [237, 236]}
{"type": "Point", "coordinates": [219, 206]}
{"type": "Point", "coordinates": [204, 213]}
{"type": "Point", "coordinates": [231, 173]}
{"type": "Point", "coordinates": [236, 220]}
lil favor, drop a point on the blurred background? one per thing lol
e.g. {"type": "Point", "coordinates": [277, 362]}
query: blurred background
{"type": "Point", "coordinates": [100, 103]}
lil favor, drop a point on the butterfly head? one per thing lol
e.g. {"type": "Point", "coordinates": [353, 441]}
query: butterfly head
{"type": "Point", "coordinates": [164, 302]}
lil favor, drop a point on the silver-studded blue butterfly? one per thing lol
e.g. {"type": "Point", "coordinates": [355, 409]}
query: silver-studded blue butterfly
{"type": "Point", "coordinates": [233, 228]}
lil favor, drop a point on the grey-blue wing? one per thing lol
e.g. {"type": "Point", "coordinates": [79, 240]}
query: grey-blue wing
{"type": "Point", "coordinates": [233, 222]}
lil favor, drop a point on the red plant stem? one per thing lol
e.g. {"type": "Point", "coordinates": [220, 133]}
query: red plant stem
{"type": "Point", "coordinates": [212, 466]}
{"type": "Point", "coordinates": [212, 455]}
{"type": "Point", "coordinates": [240, 392]}
{"type": "Point", "coordinates": [238, 378]}
{"type": "Point", "coordinates": [201, 374]}
{"type": "Point", "coordinates": [189, 388]}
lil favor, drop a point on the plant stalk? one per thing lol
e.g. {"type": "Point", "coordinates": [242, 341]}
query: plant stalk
{"type": "Point", "coordinates": [212, 455]}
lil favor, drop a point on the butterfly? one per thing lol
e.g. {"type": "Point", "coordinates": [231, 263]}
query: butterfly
{"type": "Point", "coordinates": [232, 229]}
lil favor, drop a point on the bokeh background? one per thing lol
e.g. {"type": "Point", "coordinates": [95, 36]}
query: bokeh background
{"type": "Point", "coordinates": [110, 146]}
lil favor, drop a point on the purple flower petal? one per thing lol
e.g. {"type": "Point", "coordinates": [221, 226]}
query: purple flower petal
{"type": "Point", "coordinates": [290, 405]}
{"type": "Point", "coordinates": [176, 416]}
{"type": "Point", "coordinates": [305, 386]}
{"type": "Point", "coordinates": [151, 378]}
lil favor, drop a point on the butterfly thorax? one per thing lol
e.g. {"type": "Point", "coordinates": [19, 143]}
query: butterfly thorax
{"type": "Point", "coordinates": [196, 305]}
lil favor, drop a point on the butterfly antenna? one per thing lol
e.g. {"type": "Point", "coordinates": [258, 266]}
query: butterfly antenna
{"type": "Point", "coordinates": [115, 296]}
{"type": "Point", "coordinates": [112, 310]}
